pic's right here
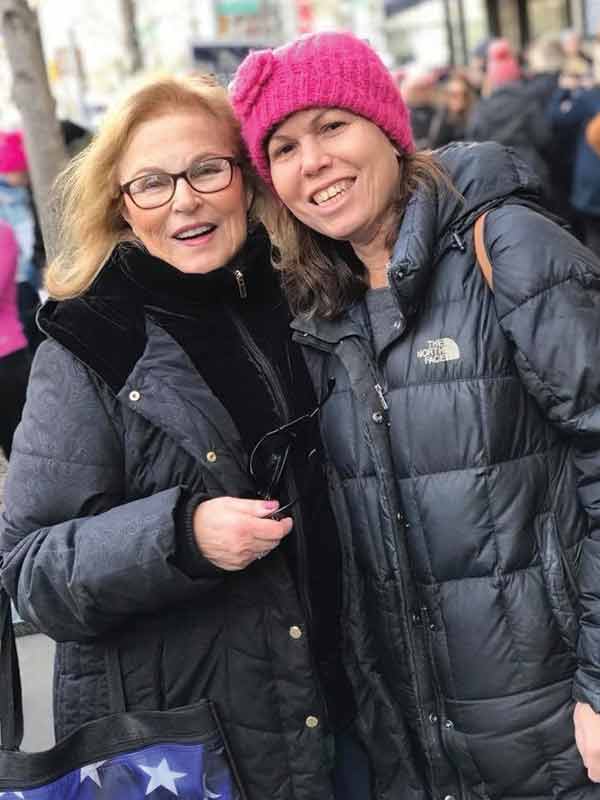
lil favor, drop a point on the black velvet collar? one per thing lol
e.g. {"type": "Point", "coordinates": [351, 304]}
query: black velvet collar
{"type": "Point", "coordinates": [106, 327]}
{"type": "Point", "coordinates": [248, 277]}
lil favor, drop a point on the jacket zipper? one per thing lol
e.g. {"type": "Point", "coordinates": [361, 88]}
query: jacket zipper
{"type": "Point", "coordinates": [241, 283]}
{"type": "Point", "coordinates": [282, 407]}
{"type": "Point", "coordinates": [420, 619]}
{"type": "Point", "coordinates": [381, 396]}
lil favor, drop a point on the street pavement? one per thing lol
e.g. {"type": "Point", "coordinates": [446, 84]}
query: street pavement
{"type": "Point", "coordinates": [36, 655]}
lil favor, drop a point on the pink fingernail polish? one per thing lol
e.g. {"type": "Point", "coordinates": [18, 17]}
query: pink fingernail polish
{"type": "Point", "coordinates": [271, 504]}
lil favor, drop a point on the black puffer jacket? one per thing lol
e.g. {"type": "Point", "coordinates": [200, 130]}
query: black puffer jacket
{"type": "Point", "coordinates": [466, 478]}
{"type": "Point", "coordinates": [119, 428]}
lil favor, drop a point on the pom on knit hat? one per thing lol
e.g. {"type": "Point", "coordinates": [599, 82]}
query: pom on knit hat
{"type": "Point", "coordinates": [12, 152]}
{"type": "Point", "coordinates": [321, 70]}
{"type": "Point", "coordinates": [502, 66]}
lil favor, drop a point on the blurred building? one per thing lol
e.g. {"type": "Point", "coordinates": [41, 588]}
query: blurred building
{"type": "Point", "coordinates": [438, 32]}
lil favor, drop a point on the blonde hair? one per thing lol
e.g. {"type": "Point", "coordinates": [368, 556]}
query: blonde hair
{"type": "Point", "coordinates": [321, 276]}
{"type": "Point", "coordinates": [91, 223]}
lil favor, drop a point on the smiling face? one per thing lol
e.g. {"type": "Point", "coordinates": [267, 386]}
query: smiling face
{"type": "Point", "coordinates": [193, 232]}
{"type": "Point", "coordinates": [337, 173]}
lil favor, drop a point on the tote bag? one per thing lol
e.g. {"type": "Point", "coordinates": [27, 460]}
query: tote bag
{"type": "Point", "coordinates": [123, 756]}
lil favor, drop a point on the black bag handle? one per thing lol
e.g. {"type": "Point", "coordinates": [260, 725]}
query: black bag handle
{"type": "Point", "coordinates": [11, 700]}
{"type": "Point", "coordinates": [11, 697]}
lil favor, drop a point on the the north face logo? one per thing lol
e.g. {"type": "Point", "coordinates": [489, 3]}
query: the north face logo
{"type": "Point", "coordinates": [439, 350]}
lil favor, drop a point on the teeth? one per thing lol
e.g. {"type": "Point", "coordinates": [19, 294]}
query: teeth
{"type": "Point", "coordinates": [326, 194]}
{"type": "Point", "coordinates": [194, 232]}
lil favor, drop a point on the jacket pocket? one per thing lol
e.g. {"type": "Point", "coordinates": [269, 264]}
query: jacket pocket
{"type": "Point", "coordinates": [457, 747]}
{"type": "Point", "coordinates": [559, 579]}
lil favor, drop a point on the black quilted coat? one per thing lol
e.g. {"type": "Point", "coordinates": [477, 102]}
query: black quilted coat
{"type": "Point", "coordinates": [466, 479]}
{"type": "Point", "coordinates": [118, 426]}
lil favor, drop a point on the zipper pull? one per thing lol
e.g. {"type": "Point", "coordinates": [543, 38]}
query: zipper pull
{"type": "Point", "coordinates": [241, 282]}
{"type": "Point", "coordinates": [426, 617]}
{"type": "Point", "coordinates": [381, 396]}
{"type": "Point", "coordinates": [458, 242]}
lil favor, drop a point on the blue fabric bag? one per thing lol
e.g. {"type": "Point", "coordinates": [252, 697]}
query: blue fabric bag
{"type": "Point", "coordinates": [124, 756]}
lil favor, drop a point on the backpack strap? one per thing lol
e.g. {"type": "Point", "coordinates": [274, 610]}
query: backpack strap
{"type": "Point", "coordinates": [481, 254]}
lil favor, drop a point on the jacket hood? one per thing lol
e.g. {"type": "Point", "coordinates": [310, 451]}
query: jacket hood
{"type": "Point", "coordinates": [483, 176]}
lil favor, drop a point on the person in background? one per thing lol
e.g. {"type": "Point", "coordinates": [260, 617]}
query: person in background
{"type": "Point", "coordinates": [165, 495]}
{"type": "Point", "coordinates": [477, 64]}
{"type": "Point", "coordinates": [14, 355]}
{"type": "Point", "coordinates": [450, 121]}
{"type": "Point", "coordinates": [418, 88]}
{"type": "Point", "coordinates": [571, 109]}
{"type": "Point", "coordinates": [545, 62]}
{"type": "Point", "coordinates": [577, 62]}
{"type": "Point", "coordinates": [17, 209]}
{"type": "Point", "coordinates": [507, 113]}
{"type": "Point", "coordinates": [462, 432]}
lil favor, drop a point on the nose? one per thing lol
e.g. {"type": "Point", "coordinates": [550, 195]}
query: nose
{"type": "Point", "coordinates": [185, 198]}
{"type": "Point", "coordinates": [314, 157]}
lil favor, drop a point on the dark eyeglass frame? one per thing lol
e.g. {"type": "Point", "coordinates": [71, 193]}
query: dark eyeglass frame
{"type": "Point", "coordinates": [125, 188]}
{"type": "Point", "coordinates": [290, 429]}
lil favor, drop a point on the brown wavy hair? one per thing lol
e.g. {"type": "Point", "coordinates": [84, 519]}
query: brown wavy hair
{"type": "Point", "coordinates": [91, 223]}
{"type": "Point", "coordinates": [321, 276]}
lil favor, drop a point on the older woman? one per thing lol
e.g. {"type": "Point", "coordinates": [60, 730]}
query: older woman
{"type": "Point", "coordinates": [168, 418]}
{"type": "Point", "coordinates": [463, 429]}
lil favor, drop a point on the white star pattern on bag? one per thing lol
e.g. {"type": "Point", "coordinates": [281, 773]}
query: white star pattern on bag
{"type": "Point", "coordinates": [162, 776]}
{"type": "Point", "coordinates": [91, 771]}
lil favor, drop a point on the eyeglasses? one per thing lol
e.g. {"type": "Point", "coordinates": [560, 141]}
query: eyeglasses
{"type": "Point", "coordinates": [207, 176]}
{"type": "Point", "coordinates": [271, 453]}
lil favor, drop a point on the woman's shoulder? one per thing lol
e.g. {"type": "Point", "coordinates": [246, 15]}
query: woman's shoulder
{"type": "Point", "coordinates": [531, 253]}
{"type": "Point", "coordinates": [103, 328]}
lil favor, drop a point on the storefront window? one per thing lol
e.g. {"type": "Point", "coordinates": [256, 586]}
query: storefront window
{"type": "Point", "coordinates": [435, 32]}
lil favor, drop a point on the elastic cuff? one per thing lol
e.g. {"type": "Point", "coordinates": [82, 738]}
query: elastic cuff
{"type": "Point", "coordinates": [188, 557]}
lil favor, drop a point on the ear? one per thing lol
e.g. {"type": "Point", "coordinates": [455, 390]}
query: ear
{"type": "Point", "coordinates": [124, 211]}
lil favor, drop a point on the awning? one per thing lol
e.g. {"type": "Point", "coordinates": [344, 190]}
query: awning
{"type": "Point", "coordinates": [394, 6]}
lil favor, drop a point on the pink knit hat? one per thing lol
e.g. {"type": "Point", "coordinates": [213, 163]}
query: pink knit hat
{"type": "Point", "coordinates": [331, 70]}
{"type": "Point", "coordinates": [502, 66]}
{"type": "Point", "coordinates": [12, 152]}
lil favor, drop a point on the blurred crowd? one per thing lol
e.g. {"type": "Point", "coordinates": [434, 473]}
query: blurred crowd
{"type": "Point", "coordinates": [544, 103]}
{"type": "Point", "coordinates": [22, 259]}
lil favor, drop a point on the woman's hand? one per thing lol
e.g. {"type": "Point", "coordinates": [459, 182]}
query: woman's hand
{"type": "Point", "coordinates": [587, 737]}
{"type": "Point", "coordinates": [231, 533]}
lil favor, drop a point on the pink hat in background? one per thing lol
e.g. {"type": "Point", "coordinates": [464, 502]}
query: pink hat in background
{"type": "Point", "coordinates": [320, 70]}
{"type": "Point", "coordinates": [12, 152]}
{"type": "Point", "coordinates": [502, 66]}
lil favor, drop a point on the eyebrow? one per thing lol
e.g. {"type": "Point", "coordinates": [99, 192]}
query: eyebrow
{"type": "Point", "coordinates": [152, 170]}
{"type": "Point", "coordinates": [314, 121]}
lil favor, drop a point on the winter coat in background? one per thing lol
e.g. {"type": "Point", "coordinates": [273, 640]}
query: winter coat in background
{"type": "Point", "coordinates": [569, 112]}
{"type": "Point", "coordinates": [559, 149]}
{"type": "Point", "coordinates": [16, 209]}
{"type": "Point", "coordinates": [12, 337]}
{"type": "Point", "coordinates": [446, 127]}
{"type": "Point", "coordinates": [465, 472]}
{"type": "Point", "coordinates": [510, 116]}
{"type": "Point", "coordinates": [119, 430]}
